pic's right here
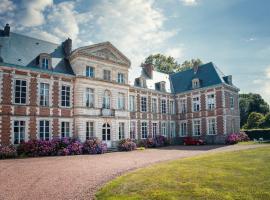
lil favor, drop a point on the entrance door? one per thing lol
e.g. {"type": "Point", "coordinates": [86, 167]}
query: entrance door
{"type": "Point", "coordinates": [106, 134]}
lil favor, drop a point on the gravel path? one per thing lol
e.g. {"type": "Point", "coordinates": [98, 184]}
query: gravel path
{"type": "Point", "coordinates": [78, 177]}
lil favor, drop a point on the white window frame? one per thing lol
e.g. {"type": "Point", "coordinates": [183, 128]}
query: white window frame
{"type": "Point", "coordinates": [183, 105]}
{"type": "Point", "coordinates": [211, 101]}
{"type": "Point", "coordinates": [196, 104]}
{"type": "Point", "coordinates": [212, 123]}
{"type": "Point", "coordinates": [66, 128]}
{"type": "Point", "coordinates": [45, 63]}
{"type": "Point", "coordinates": [19, 130]}
{"type": "Point", "coordinates": [107, 75]}
{"type": "Point", "coordinates": [231, 101]}
{"type": "Point", "coordinates": [144, 130]}
{"type": "Point", "coordinates": [172, 107]}
{"type": "Point", "coordinates": [121, 130]}
{"type": "Point", "coordinates": [26, 92]}
{"type": "Point", "coordinates": [163, 106]}
{"type": "Point", "coordinates": [106, 100]}
{"type": "Point", "coordinates": [46, 98]}
{"type": "Point", "coordinates": [164, 129]}
{"type": "Point", "coordinates": [154, 105]}
{"type": "Point", "coordinates": [132, 103]}
{"type": "Point", "coordinates": [195, 123]}
{"type": "Point", "coordinates": [172, 129]}
{"type": "Point", "coordinates": [65, 98]}
{"type": "Point", "coordinates": [183, 129]}
{"type": "Point", "coordinates": [133, 130]}
{"type": "Point", "coordinates": [121, 101]}
{"type": "Point", "coordinates": [143, 103]}
{"type": "Point", "coordinates": [89, 94]}
{"type": "Point", "coordinates": [120, 78]}
{"type": "Point", "coordinates": [90, 71]}
{"type": "Point", "coordinates": [154, 129]}
{"type": "Point", "coordinates": [39, 133]}
{"type": "Point", "coordinates": [89, 129]}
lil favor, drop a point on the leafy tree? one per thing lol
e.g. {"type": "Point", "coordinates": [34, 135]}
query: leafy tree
{"type": "Point", "coordinates": [266, 123]}
{"type": "Point", "coordinates": [168, 64]}
{"type": "Point", "coordinates": [249, 103]}
{"type": "Point", "coordinates": [255, 120]}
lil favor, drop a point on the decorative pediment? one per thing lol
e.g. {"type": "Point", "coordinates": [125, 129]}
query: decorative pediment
{"type": "Point", "coordinates": [103, 51]}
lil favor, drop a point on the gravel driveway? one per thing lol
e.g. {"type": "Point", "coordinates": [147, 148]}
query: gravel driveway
{"type": "Point", "coordinates": [78, 177]}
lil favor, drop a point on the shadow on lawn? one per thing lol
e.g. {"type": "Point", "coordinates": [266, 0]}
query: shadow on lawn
{"type": "Point", "coordinates": [192, 147]}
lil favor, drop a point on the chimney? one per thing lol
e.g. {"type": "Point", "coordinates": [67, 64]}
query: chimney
{"type": "Point", "coordinates": [195, 68]}
{"type": "Point", "coordinates": [228, 79]}
{"type": "Point", "coordinates": [7, 30]}
{"type": "Point", "coordinates": [1, 59]}
{"type": "Point", "coordinates": [67, 46]}
{"type": "Point", "coordinates": [149, 70]}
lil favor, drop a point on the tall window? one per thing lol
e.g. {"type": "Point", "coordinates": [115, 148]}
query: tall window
{"type": "Point", "coordinates": [183, 105]}
{"type": "Point", "coordinates": [196, 127]}
{"type": "Point", "coordinates": [211, 101]}
{"type": "Point", "coordinates": [131, 103]}
{"type": "Point", "coordinates": [183, 129]}
{"type": "Point", "coordinates": [107, 75]}
{"type": "Point", "coordinates": [20, 91]}
{"type": "Point", "coordinates": [65, 96]}
{"type": "Point", "coordinates": [121, 130]}
{"type": "Point", "coordinates": [154, 105]}
{"type": "Point", "coordinates": [45, 63]}
{"type": "Point", "coordinates": [133, 130]}
{"type": "Point", "coordinates": [44, 94]}
{"type": "Point", "coordinates": [144, 130]}
{"type": "Point", "coordinates": [19, 131]}
{"type": "Point", "coordinates": [90, 98]}
{"type": "Point", "coordinates": [106, 100]}
{"type": "Point", "coordinates": [172, 107]}
{"type": "Point", "coordinates": [65, 129]}
{"type": "Point", "coordinates": [163, 106]}
{"type": "Point", "coordinates": [120, 78]}
{"type": "Point", "coordinates": [90, 71]}
{"type": "Point", "coordinates": [89, 130]}
{"type": "Point", "coordinates": [212, 126]}
{"type": "Point", "coordinates": [196, 104]}
{"type": "Point", "coordinates": [121, 101]}
{"type": "Point", "coordinates": [44, 129]}
{"type": "Point", "coordinates": [143, 104]}
{"type": "Point", "coordinates": [172, 129]}
{"type": "Point", "coordinates": [163, 129]}
{"type": "Point", "coordinates": [231, 101]}
{"type": "Point", "coordinates": [154, 129]}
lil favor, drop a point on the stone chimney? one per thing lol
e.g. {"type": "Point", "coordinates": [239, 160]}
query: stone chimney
{"type": "Point", "coordinates": [148, 68]}
{"type": "Point", "coordinates": [228, 79]}
{"type": "Point", "coordinates": [7, 30]}
{"type": "Point", "coordinates": [67, 46]}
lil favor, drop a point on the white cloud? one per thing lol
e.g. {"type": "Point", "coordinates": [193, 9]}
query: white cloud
{"type": "Point", "coordinates": [6, 6]}
{"type": "Point", "coordinates": [189, 2]}
{"type": "Point", "coordinates": [176, 52]}
{"type": "Point", "coordinates": [267, 72]}
{"type": "Point", "coordinates": [257, 81]}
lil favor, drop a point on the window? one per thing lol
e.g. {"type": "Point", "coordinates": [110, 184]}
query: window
{"type": "Point", "coordinates": [121, 101]}
{"type": "Point", "coordinates": [131, 103]}
{"type": "Point", "coordinates": [133, 130]}
{"type": "Point", "coordinates": [65, 96]}
{"type": "Point", "coordinates": [90, 98]}
{"type": "Point", "coordinates": [89, 130]}
{"type": "Point", "coordinates": [144, 130]}
{"type": "Point", "coordinates": [44, 94]}
{"type": "Point", "coordinates": [20, 91]}
{"type": "Point", "coordinates": [163, 106]}
{"type": "Point", "coordinates": [121, 130]}
{"type": "Point", "coordinates": [65, 129]}
{"type": "Point", "coordinates": [172, 129]}
{"type": "Point", "coordinates": [195, 83]}
{"type": "Point", "coordinates": [183, 129]}
{"type": "Point", "coordinates": [212, 126]}
{"type": "Point", "coordinates": [143, 104]}
{"type": "Point", "coordinates": [106, 100]}
{"type": "Point", "coordinates": [19, 131]}
{"type": "Point", "coordinates": [172, 109]}
{"type": "Point", "coordinates": [107, 75]}
{"type": "Point", "coordinates": [211, 102]}
{"type": "Point", "coordinates": [196, 127]}
{"type": "Point", "coordinates": [196, 104]}
{"type": "Point", "coordinates": [90, 71]}
{"type": "Point", "coordinates": [44, 130]}
{"type": "Point", "coordinates": [154, 130]}
{"type": "Point", "coordinates": [120, 78]}
{"type": "Point", "coordinates": [163, 129]}
{"type": "Point", "coordinates": [154, 105]}
{"type": "Point", "coordinates": [183, 105]}
{"type": "Point", "coordinates": [45, 63]}
{"type": "Point", "coordinates": [231, 101]}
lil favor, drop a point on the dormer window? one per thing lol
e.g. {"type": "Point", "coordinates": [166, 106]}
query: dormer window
{"type": "Point", "coordinates": [195, 83]}
{"type": "Point", "coordinates": [160, 86]}
{"type": "Point", "coordinates": [141, 82]}
{"type": "Point", "coordinates": [44, 61]}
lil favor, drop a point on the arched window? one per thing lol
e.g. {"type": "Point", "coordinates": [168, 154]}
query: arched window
{"type": "Point", "coordinates": [107, 100]}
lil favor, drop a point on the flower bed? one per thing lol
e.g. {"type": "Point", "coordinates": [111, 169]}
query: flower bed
{"type": "Point", "coordinates": [158, 141]}
{"type": "Point", "coordinates": [94, 146]}
{"type": "Point", "coordinates": [8, 152]}
{"type": "Point", "coordinates": [127, 145]}
{"type": "Point", "coordinates": [234, 138]}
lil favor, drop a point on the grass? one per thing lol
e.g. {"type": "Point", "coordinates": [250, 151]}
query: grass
{"type": "Point", "coordinates": [231, 176]}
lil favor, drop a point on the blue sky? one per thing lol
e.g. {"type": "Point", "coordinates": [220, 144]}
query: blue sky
{"type": "Point", "coordinates": [234, 34]}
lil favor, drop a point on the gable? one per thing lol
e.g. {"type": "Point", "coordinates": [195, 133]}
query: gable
{"type": "Point", "coordinates": [103, 51]}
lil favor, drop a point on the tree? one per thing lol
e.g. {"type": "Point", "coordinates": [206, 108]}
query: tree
{"type": "Point", "coordinates": [266, 123]}
{"type": "Point", "coordinates": [255, 120]}
{"type": "Point", "coordinates": [249, 103]}
{"type": "Point", "coordinates": [168, 64]}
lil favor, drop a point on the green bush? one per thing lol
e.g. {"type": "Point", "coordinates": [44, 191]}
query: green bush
{"type": "Point", "coordinates": [258, 133]}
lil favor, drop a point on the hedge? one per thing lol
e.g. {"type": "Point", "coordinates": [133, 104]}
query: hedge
{"type": "Point", "coordinates": [258, 133]}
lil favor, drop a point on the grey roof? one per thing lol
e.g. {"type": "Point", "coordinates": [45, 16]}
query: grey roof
{"type": "Point", "coordinates": [208, 74]}
{"type": "Point", "coordinates": [21, 50]}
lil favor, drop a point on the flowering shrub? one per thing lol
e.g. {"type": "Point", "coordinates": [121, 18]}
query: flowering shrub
{"type": "Point", "coordinates": [94, 146]}
{"type": "Point", "coordinates": [8, 152]}
{"type": "Point", "coordinates": [234, 138]}
{"type": "Point", "coordinates": [127, 145]}
{"type": "Point", "coordinates": [158, 141]}
{"type": "Point", "coordinates": [243, 137]}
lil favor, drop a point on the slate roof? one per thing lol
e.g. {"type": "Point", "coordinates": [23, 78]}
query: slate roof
{"type": "Point", "coordinates": [208, 74]}
{"type": "Point", "coordinates": [21, 50]}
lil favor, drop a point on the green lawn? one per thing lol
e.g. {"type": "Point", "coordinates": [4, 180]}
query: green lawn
{"type": "Point", "coordinates": [243, 175]}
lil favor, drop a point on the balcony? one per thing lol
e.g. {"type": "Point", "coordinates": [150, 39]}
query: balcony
{"type": "Point", "coordinates": [107, 112]}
